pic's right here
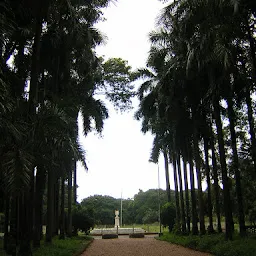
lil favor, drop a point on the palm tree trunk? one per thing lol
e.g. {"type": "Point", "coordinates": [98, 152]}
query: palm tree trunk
{"type": "Point", "coordinates": [252, 47]}
{"type": "Point", "coordinates": [199, 181]}
{"type": "Point", "coordinates": [251, 124]}
{"type": "Point", "coordinates": [13, 237]}
{"type": "Point", "coordinates": [24, 235]}
{"type": "Point", "coordinates": [193, 194]}
{"type": "Point", "coordinates": [247, 92]}
{"type": "Point", "coordinates": [40, 12]}
{"type": "Point", "coordinates": [183, 219]}
{"type": "Point", "coordinates": [216, 181]}
{"type": "Point", "coordinates": [186, 193]}
{"type": "Point", "coordinates": [31, 208]}
{"type": "Point", "coordinates": [56, 206]}
{"type": "Point", "coordinates": [6, 220]}
{"type": "Point", "coordinates": [235, 166]}
{"type": "Point", "coordinates": [39, 192]}
{"type": "Point", "coordinates": [229, 226]}
{"type": "Point", "coordinates": [35, 65]}
{"type": "Point", "coordinates": [69, 230]}
{"type": "Point", "coordinates": [75, 184]}
{"type": "Point", "coordinates": [166, 163]}
{"type": "Point", "coordinates": [21, 66]}
{"type": "Point", "coordinates": [62, 209]}
{"type": "Point", "coordinates": [50, 207]}
{"type": "Point", "coordinates": [209, 194]}
{"type": "Point", "coordinates": [176, 190]}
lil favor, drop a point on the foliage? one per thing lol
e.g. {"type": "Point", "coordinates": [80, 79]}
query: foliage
{"type": "Point", "coordinates": [142, 209]}
{"type": "Point", "coordinates": [168, 215]}
{"type": "Point", "coordinates": [49, 75]}
{"type": "Point", "coordinates": [147, 203]}
{"type": "Point", "coordinates": [117, 82]}
{"type": "Point", "coordinates": [150, 216]}
{"type": "Point", "coordinates": [196, 99]}
{"type": "Point", "coordinates": [70, 246]}
{"type": "Point", "coordinates": [103, 208]}
{"type": "Point", "coordinates": [82, 219]}
{"type": "Point", "coordinates": [215, 244]}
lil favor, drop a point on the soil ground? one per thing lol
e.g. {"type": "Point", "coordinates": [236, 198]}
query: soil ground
{"type": "Point", "coordinates": [148, 246]}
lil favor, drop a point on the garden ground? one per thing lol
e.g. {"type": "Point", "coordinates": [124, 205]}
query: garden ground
{"type": "Point", "coordinates": [137, 246]}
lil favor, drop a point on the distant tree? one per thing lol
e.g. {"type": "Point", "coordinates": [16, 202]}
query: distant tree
{"type": "Point", "coordinates": [168, 215]}
{"type": "Point", "coordinates": [82, 219]}
{"type": "Point", "coordinates": [103, 207]}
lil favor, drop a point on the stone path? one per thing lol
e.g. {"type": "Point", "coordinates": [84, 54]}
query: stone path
{"type": "Point", "coordinates": [148, 246]}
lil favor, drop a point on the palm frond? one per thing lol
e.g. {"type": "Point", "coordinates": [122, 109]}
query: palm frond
{"type": "Point", "coordinates": [17, 166]}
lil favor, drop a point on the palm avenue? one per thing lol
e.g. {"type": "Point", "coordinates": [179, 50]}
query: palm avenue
{"type": "Point", "coordinates": [196, 99]}
{"type": "Point", "coordinates": [54, 75]}
{"type": "Point", "coordinates": [199, 82]}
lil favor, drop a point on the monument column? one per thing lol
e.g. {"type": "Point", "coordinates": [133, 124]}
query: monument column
{"type": "Point", "coordinates": [117, 219]}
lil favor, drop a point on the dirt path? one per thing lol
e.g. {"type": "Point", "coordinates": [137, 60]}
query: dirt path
{"type": "Point", "coordinates": [137, 247]}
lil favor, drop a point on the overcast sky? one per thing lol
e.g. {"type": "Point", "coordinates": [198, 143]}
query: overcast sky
{"type": "Point", "coordinates": [118, 161]}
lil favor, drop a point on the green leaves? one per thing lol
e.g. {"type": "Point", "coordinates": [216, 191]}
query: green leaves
{"type": "Point", "coordinates": [117, 83]}
{"type": "Point", "coordinates": [17, 166]}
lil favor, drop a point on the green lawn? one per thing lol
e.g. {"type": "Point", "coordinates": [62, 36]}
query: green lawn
{"type": "Point", "coordinates": [147, 227]}
{"type": "Point", "coordinates": [69, 247]}
{"type": "Point", "coordinates": [2, 253]}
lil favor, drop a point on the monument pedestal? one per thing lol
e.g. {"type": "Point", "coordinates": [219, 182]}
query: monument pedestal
{"type": "Point", "coordinates": [117, 222]}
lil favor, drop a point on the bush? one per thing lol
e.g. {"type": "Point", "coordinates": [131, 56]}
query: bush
{"type": "Point", "coordinates": [215, 244]}
{"type": "Point", "coordinates": [70, 246]}
{"type": "Point", "coordinates": [168, 215]}
{"type": "Point", "coordinates": [82, 219]}
{"type": "Point", "coordinates": [109, 236]}
{"type": "Point", "coordinates": [240, 247]}
{"type": "Point", "coordinates": [137, 235]}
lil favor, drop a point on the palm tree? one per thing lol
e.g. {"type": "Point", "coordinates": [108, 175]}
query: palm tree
{"type": "Point", "coordinates": [75, 184]}
{"type": "Point", "coordinates": [199, 178]}
{"type": "Point", "coordinates": [186, 193]}
{"type": "Point", "coordinates": [208, 178]}
{"type": "Point", "coordinates": [193, 194]}
{"type": "Point", "coordinates": [216, 181]}
{"type": "Point", "coordinates": [175, 179]}
{"type": "Point", "coordinates": [166, 162]}
{"type": "Point", "coordinates": [50, 85]}
{"type": "Point", "coordinates": [235, 165]}
{"type": "Point", "coordinates": [69, 217]}
{"type": "Point", "coordinates": [183, 219]}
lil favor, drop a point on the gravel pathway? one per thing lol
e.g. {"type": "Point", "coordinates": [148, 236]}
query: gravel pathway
{"type": "Point", "coordinates": [137, 247]}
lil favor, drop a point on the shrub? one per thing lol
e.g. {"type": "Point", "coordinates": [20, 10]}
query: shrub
{"type": "Point", "coordinates": [215, 244]}
{"type": "Point", "coordinates": [82, 219]}
{"type": "Point", "coordinates": [168, 215]}
{"type": "Point", "coordinates": [70, 246]}
{"type": "Point", "coordinates": [137, 235]}
{"type": "Point", "coordinates": [109, 236]}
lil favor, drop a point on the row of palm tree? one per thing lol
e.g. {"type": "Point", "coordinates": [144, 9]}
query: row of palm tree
{"type": "Point", "coordinates": [49, 73]}
{"type": "Point", "coordinates": [198, 86]}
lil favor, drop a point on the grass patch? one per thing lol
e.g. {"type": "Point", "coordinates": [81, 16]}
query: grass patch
{"type": "Point", "coordinates": [1, 245]}
{"type": "Point", "coordinates": [215, 244]}
{"type": "Point", "coordinates": [151, 228]}
{"type": "Point", "coordinates": [69, 247]}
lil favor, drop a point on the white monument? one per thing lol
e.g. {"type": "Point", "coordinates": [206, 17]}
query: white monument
{"type": "Point", "coordinates": [117, 219]}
